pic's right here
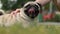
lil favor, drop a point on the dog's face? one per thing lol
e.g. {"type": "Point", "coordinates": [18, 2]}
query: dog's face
{"type": "Point", "coordinates": [31, 9]}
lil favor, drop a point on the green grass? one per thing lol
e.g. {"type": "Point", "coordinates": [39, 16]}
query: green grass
{"type": "Point", "coordinates": [41, 29]}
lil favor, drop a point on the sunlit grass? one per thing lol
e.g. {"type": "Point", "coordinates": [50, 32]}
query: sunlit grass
{"type": "Point", "coordinates": [41, 29]}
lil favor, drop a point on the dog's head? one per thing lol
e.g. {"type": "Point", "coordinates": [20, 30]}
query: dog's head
{"type": "Point", "coordinates": [32, 9]}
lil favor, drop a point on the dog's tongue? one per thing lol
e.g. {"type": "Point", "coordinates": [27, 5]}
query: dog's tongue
{"type": "Point", "coordinates": [31, 10]}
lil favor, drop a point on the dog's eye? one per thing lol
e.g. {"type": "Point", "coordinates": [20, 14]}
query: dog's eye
{"type": "Point", "coordinates": [36, 6]}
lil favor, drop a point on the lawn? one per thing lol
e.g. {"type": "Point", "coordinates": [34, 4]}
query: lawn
{"type": "Point", "coordinates": [41, 29]}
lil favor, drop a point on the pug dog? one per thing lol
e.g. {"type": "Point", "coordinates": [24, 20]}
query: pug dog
{"type": "Point", "coordinates": [25, 15]}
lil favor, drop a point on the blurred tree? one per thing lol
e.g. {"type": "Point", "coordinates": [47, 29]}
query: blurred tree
{"type": "Point", "coordinates": [57, 4]}
{"type": "Point", "coordinates": [0, 4]}
{"type": "Point", "coordinates": [4, 2]}
{"type": "Point", "coordinates": [13, 4]}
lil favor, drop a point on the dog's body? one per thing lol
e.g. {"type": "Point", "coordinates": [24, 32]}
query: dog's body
{"type": "Point", "coordinates": [9, 19]}
{"type": "Point", "coordinates": [17, 17]}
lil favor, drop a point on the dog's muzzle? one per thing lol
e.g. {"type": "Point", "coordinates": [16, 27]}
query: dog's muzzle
{"type": "Point", "coordinates": [32, 12]}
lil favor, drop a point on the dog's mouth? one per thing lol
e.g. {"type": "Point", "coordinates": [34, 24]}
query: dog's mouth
{"type": "Point", "coordinates": [31, 11]}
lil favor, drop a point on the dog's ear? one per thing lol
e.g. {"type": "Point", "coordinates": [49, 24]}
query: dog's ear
{"type": "Point", "coordinates": [40, 7]}
{"type": "Point", "coordinates": [22, 4]}
{"type": "Point", "coordinates": [1, 13]}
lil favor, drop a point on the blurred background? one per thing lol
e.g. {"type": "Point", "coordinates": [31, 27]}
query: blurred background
{"type": "Point", "coordinates": [12, 4]}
